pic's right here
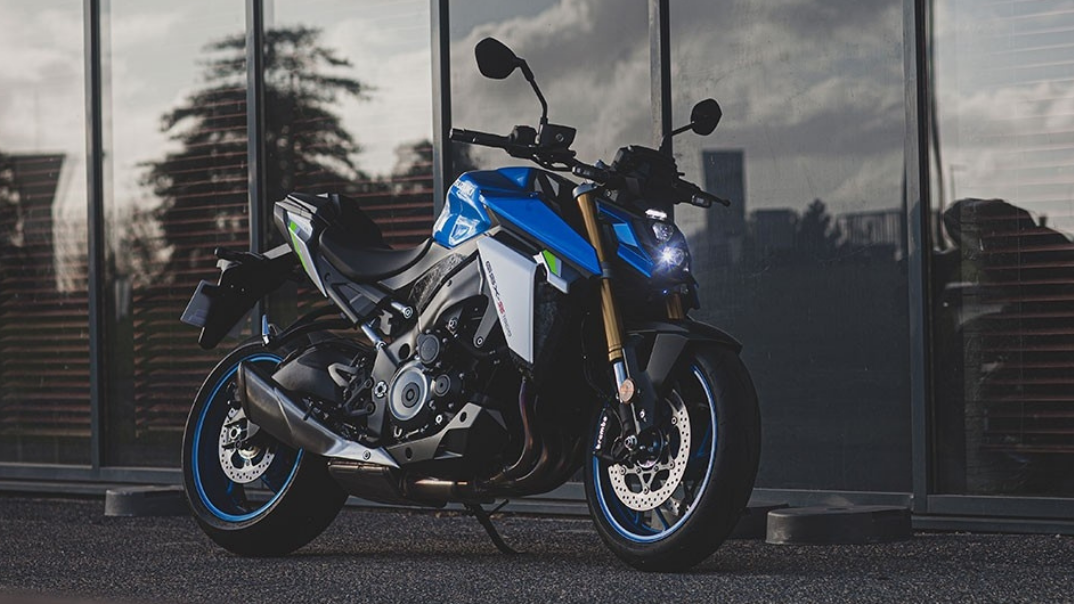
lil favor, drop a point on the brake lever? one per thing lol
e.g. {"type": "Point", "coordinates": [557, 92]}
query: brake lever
{"type": "Point", "coordinates": [705, 200]}
{"type": "Point", "coordinates": [696, 197]}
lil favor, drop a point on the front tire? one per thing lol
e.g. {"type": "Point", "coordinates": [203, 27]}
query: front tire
{"type": "Point", "coordinates": [663, 517]}
{"type": "Point", "coordinates": [253, 496]}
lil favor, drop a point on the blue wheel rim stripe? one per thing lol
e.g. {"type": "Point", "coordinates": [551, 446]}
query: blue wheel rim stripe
{"type": "Point", "coordinates": [644, 534]}
{"type": "Point", "coordinates": [229, 486]}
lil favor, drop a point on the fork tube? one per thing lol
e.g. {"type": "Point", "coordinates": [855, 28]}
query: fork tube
{"type": "Point", "coordinates": [674, 306]}
{"type": "Point", "coordinates": [613, 326]}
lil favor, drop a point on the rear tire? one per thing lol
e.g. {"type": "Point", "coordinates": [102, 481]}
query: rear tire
{"type": "Point", "coordinates": [705, 503]}
{"type": "Point", "coordinates": [302, 499]}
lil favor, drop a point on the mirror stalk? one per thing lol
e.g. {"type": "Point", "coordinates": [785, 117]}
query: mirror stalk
{"type": "Point", "coordinates": [665, 143]}
{"type": "Point", "coordinates": [533, 82]}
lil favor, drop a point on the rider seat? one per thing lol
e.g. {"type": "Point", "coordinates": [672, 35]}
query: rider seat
{"type": "Point", "coordinates": [363, 263]}
{"type": "Point", "coordinates": [354, 244]}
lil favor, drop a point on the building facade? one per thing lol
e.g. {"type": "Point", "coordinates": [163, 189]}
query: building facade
{"type": "Point", "coordinates": [897, 260]}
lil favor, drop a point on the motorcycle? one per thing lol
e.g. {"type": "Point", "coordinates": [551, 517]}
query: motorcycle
{"type": "Point", "coordinates": [542, 329]}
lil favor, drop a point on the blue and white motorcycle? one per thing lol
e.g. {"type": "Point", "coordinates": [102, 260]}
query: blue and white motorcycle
{"type": "Point", "coordinates": [544, 328]}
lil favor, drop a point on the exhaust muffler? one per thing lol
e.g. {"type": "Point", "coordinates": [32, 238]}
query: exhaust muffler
{"type": "Point", "coordinates": [275, 411]}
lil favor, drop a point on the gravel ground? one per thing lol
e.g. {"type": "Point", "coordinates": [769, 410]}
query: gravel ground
{"type": "Point", "coordinates": [68, 550]}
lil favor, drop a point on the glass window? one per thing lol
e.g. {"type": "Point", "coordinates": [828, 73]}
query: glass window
{"type": "Point", "coordinates": [44, 340]}
{"type": "Point", "coordinates": [1002, 154]}
{"type": "Point", "coordinates": [807, 266]}
{"type": "Point", "coordinates": [590, 58]}
{"type": "Point", "coordinates": [177, 188]}
{"type": "Point", "coordinates": [348, 110]}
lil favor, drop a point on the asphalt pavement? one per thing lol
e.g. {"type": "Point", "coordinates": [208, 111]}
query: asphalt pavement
{"type": "Point", "coordinates": [66, 550]}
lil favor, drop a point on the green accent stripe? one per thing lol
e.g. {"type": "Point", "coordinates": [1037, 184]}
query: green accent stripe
{"type": "Point", "coordinates": [298, 245]}
{"type": "Point", "coordinates": [551, 261]}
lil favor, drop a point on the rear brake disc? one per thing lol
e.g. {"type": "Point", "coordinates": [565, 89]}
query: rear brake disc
{"type": "Point", "coordinates": [242, 458]}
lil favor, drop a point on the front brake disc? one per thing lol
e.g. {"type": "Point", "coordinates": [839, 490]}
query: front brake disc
{"type": "Point", "coordinates": [644, 488]}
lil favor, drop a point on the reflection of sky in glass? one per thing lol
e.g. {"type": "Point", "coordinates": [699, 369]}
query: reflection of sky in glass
{"type": "Point", "coordinates": [590, 58]}
{"type": "Point", "coordinates": [813, 108]}
{"type": "Point", "coordinates": [157, 54]}
{"type": "Point", "coordinates": [42, 103]}
{"type": "Point", "coordinates": [42, 111]}
{"type": "Point", "coordinates": [812, 93]}
{"type": "Point", "coordinates": [1005, 96]}
{"type": "Point", "coordinates": [155, 61]}
{"type": "Point", "coordinates": [389, 47]}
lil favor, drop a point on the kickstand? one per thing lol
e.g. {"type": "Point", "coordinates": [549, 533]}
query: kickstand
{"type": "Point", "coordinates": [486, 523]}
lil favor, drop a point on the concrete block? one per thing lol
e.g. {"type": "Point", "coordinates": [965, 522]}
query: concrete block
{"type": "Point", "coordinates": [754, 521]}
{"type": "Point", "coordinates": [839, 525]}
{"type": "Point", "coordinates": [146, 501]}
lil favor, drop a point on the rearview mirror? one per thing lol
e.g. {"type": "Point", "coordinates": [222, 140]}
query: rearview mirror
{"type": "Point", "coordinates": [705, 116]}
{"type": "Point", "coordinates": [494, 59]}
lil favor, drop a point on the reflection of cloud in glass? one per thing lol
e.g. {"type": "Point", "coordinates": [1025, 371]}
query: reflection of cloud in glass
{"type": "Point", "coordinates": [817, 102]}
{"type": "Point", "coordinates": [591, 58]}
{"type": "Point", "coordinates": [815, 98]}
{"type": "Point", "coordinates": [153, 61]}
{"type": "Point", "coordinates": [42, 110]}
{"type": "Point", "coordinates": [1005, 100]}
{"type": "Point", "coordinates": [42, 106]}
{"type": "Point", "coordinates": [390, 50]}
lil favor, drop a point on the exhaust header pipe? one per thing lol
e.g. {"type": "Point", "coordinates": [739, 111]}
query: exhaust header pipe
{"type": "Point", "coordinates": [274, 410]}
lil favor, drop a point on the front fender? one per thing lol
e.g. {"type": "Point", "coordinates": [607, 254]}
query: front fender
{"type": "Point", "coordinates": [654, 348]}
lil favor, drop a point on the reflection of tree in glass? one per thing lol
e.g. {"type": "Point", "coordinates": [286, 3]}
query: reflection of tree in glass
{"type": "Point", "coordinates": [407, 217]}
{"type": "Point", "coordinates": [8, 203]}
{"type": "Point", "coordinates": [204, 184]}
{"type": "Point", "coordinates": [817, 239]}
{"type": "Point", "coordinates": [141, 255]}
{"type": "Point", "coordinates": [305, 141]}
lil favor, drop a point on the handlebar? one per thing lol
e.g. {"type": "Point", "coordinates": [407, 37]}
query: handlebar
{"type": "Point", "coordinates": [687, 191]}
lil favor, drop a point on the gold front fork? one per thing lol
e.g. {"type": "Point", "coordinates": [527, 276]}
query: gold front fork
{"type": "Point", "coordinates": [613, 326]}
{"type": "Point", "coordinates": [674, 306]}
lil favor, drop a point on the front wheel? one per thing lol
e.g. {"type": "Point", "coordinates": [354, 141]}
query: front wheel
{"type": "Point", "coordinates": [250, 493]}
{"type": "Point", "coordinates": [673, 509]}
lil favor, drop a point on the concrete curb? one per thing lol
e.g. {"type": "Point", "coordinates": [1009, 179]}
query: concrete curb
{"type": "Point", "coordinates": [145, 501]}
{"type": "Point", "coordinates": [839, 525]}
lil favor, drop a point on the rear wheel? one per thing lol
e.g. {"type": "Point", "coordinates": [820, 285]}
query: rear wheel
{"type": "Point", "coordinates": [672, 509]}
{"type": "Point", "coordinates": [249, 492]}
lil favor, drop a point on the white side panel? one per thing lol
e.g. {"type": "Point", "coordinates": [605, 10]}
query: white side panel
{"type": "Point", "coordinates": [510, 278]}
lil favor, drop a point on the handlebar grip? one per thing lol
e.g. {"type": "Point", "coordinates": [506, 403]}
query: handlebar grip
{"type": "Point", "coordinates": [479, 138]}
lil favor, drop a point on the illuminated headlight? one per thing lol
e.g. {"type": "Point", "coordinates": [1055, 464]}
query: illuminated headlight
{"type": "Point", "coordinates": [672, 256]}
{"type": "Point", "coordinates": [663, 231]}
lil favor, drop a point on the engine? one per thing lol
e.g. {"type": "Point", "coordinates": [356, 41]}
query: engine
{"type": "Point", "coordinates": [442, 394]}
{"type": "Point", "coordinates": [423, 394]}
{"type": "Point", "coordinates": [424, 391]}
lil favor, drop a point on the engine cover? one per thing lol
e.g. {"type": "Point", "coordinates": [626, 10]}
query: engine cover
{"type": "Point", "coordinates": [409, 394]}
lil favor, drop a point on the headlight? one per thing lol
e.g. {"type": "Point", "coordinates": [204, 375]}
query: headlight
{"type": "Point", "coordinates": [672, 256]}
{"type": "Point", "coordinates": [668, 247]}
{"type": "Point", "coordinates": [663, 231]}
